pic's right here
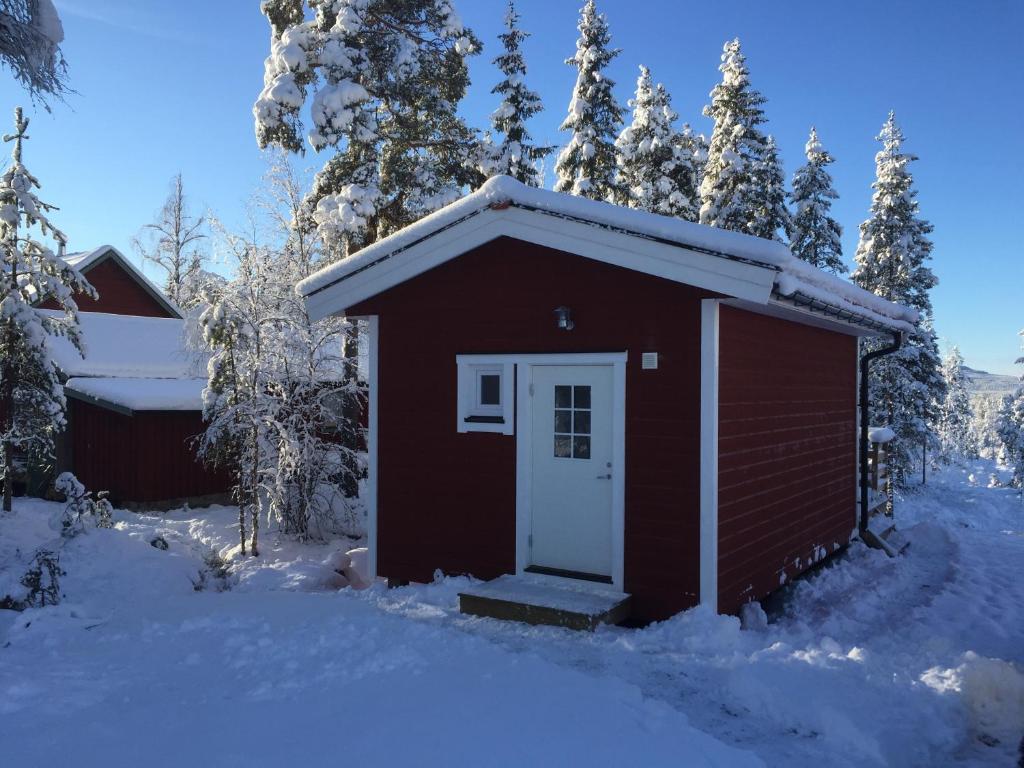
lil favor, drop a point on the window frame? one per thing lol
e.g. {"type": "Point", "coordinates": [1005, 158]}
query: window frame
{"type": "Point", "coordinates": [471, 414]}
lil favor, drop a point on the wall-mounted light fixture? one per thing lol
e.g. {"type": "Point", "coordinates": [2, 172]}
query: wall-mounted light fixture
{"type": "Point", "coordinates": [564, 317]}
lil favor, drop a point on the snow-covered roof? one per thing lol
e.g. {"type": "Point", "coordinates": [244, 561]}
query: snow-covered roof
{"type": "Point", "coordinates": [131, 394]}
{"type": "Point", "coordinates": [127, 346]}
{"type": "Point", "coordinates": [752, 269]}
{"type": "Point", "coordinates": [84, 260]}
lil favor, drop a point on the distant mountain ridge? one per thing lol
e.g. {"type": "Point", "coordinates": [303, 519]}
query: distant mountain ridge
{"type": "Point", "coordinates": [983, 382]}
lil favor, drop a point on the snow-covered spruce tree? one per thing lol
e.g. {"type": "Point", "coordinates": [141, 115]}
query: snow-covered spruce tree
{"type": "Point", "coordinates": [1010, 427]}
{"type": "Point", "coordinates": [728, 191]}
{"type": "Point", "coordinates": [657, 171]}
{"type": "Point", "coordinates": [515, 155]}
{"type": "Point", "coordinates": [985, 425]}
{"type": "Point", "coordinates": [586, 165]}
{"type": "Point", "coordinates": [956, 438]}
{"type": "Point", "coordinates": [891, 258]}
{"type": "Point", "coordinates": [171, 243]}
{"type": "Point", "coordinates": [31, 396]}
{"type": "Point", "coordinates": [771, 218]}
{"type": "Point", "coordinates": [815, 236]}
{"type": "Point", "coordinates": [385, 77]}
{"type": "Point", "coordinates": [30, 38]}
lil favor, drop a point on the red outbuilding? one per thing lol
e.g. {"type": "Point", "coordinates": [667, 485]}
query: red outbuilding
{"type": "Point", "coordinates": [135, 397]}
{"type": "Point", "coordinates": [574, 391]}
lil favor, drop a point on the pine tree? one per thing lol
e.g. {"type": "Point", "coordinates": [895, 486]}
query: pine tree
{"type": "Point", "coordinates": [892, 257]}
{"type": "Point", "coordinates": [771, 216]}
{"type": "Point", "coordinates": [515, 156]}
{"type": "Point", "coordinates": [32, 404]}
{"type": "Point", "coordinates": [657, 171]}
{"type": "Point", "coordinates": [728, 191]}
{"type": "Point", "coordinates": [30, 36]}
{"type": "Point", "coordinates": [1010, 427]}
{"type": "Point", "coordinates": [956, 437]}
{"type": "Point", "coordinates": [172, 246]}
{"type": "Point", "coordinates": [386, 78]}
{"type": "Point", "coordinates": [815, 236]}
{"type": "Point", "coordinates": [586, 165]}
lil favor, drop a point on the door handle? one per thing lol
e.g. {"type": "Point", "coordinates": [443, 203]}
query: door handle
{"type": "Point", "coordinates": [605, 477]}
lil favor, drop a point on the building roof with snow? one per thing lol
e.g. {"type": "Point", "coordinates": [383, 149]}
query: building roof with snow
{"type": "Point", "coordinates": [128, 395]}
{"type": "Point", "coordinates": [127, 346]}
{"type": "Point", "coordinates": [754, 271]}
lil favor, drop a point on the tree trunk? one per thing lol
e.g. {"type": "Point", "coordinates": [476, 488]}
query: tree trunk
{"type": "Point", "coordinates": [242, 499]}
{"type": "Point", "coordinates": [254, 508]}
{"type": "Point", "coordinates": [8, 476]}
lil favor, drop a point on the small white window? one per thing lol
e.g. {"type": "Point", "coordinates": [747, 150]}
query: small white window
{"type": "Point", "coordinates": [485, 387]}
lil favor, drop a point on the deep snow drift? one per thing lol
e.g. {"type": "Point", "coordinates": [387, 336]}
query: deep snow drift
{"type": "Point", "coordinates": [910, 662]}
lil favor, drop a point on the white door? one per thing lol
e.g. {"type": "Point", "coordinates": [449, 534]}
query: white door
{"type": "Point", "coordinates": [571, 487]}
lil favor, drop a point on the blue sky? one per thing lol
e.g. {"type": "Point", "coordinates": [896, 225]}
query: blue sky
{"type": "Point", "coordinates": [165, 87]}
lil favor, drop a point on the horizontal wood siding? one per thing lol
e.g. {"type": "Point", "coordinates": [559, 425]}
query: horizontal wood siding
{"type": "Point", "coordinates": [119, 293]}
{"type": "Point", "coordinates": [447, 500]}
{"type": "Point", "coordinates": [148, 457]}
{"type": "Point", "coordinates": [787, 451]}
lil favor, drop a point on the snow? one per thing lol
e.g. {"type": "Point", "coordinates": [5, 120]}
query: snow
{"type": "Point", "coordinates": [873, 661]}
{"type": "Point", "coordinates": [126, 345]}
{"type": "Point", "coordinates": [881, 435]}
{"type": "Point", "coordinates": [143, 394]}
{"type": "Point", "coordinates": [794, 276]}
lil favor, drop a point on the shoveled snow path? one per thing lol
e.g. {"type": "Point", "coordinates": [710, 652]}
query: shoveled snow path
{"type": "Point", "coordinates": [843, 674]}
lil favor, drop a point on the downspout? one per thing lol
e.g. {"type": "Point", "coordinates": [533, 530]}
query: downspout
{"type": "Point", "coordinates": [865, 363]}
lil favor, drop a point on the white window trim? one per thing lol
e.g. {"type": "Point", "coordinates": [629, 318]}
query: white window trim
{"type": "Point", "coordinates": [469, 368]}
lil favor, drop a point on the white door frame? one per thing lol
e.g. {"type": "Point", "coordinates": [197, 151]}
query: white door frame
{"type": "Point", "coordinates": [524, 448]}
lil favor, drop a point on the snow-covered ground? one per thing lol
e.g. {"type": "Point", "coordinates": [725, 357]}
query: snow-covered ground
{"type": "Point", "coordinates": [917, 661]}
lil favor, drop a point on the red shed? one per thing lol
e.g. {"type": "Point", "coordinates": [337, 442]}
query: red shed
{"type": "Point", "coordinates": [574, 390]}
{"type": "Point", "coordinates": [134, 412]}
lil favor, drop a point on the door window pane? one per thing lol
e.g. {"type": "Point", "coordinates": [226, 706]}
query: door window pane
{"type": "Point", "coordinates": [581, 447]}
{"type": "Point", "coordinates": [581, 397]}
{"type": "Point", "coordinates": [563, 422]}
{"type": "Point", "coordinates": [563, 446]}
{"type": "Point", "coordinates": [581, 422]}
{"type": "Point", "coordinates": [563, 397]}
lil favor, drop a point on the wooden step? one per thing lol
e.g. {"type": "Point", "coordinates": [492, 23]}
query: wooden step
{"type": "Point", "coordinates": [540, 600]}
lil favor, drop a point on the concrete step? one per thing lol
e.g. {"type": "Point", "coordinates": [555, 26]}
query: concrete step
{"type": "Point", "coordinates": [545, 600]}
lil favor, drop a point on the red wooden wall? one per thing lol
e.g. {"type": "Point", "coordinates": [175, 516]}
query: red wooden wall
{"type": "Point", "coordinates": [787, 450]}
{"type": "Point", "coordinates": [120, 293]}
{"type": "Point", "coordinates": [447, 500]}
{"type": "Point", "coordinates": [148, 457]}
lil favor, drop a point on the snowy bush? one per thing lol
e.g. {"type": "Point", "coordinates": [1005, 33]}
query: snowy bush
{"type": "Point", "coordinates": [82, 509]}
{"type": "Point", "coordinates": [39, 587]}
{"type": "Point", "coordinates": [213, 575]}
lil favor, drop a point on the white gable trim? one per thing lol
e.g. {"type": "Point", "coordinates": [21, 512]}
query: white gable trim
{"type": "Point", "coordinates": [672, 262]}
